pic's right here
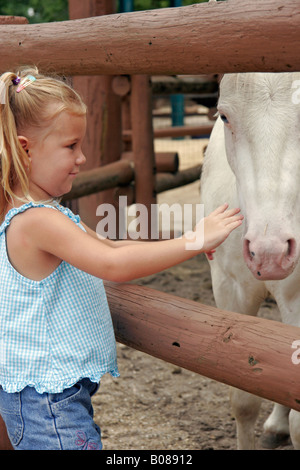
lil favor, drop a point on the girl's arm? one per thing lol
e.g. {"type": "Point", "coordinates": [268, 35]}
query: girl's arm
{"type": "Point", "coordinates": [107, 241]}
{"type": "Point", "coordinates": [54, 233]}
{"type": "Point", "coordinates": [119, 243]}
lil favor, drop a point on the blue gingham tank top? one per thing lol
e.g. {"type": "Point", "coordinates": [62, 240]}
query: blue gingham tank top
{"type": "Point", "coordinates": [56, 331]}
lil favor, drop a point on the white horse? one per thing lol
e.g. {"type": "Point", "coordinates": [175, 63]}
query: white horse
{"type": "Point", "coordinates": [253, 161]}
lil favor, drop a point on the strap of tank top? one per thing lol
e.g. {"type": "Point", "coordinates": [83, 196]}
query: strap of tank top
{"type": "Point", "coordinates": [24, 207]}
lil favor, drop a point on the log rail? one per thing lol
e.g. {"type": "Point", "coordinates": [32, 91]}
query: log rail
{"type": "Point", "coordinates": [252, 354]}
{"type": "Point", "coordinates": [217, 37]}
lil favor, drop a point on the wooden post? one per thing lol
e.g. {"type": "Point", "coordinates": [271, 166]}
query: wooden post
{"type": "Point", "coordinates": [103, 142]}
{"type": "Point", "coordinates": [215, 37]}
{"type": "Point", "coordinates": [5, 443]}
{"type": "Point", "coordinates": [122, 87]}
{"type": "Point", "coordinates": [143, 148]}
{"type": "Point", "coordinates": [203, 130]}
{"type": "Point", "coordinates": [253, 354]}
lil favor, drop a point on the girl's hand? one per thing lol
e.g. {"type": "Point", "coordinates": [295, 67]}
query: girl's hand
{"type": "Point", "coordinates": [217, 226]}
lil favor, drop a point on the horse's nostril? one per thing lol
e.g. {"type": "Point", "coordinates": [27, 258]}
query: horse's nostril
{"type": "Point", "coordinates": [291, 250]}
{"type": "Point", "coordinates": [249, 254]}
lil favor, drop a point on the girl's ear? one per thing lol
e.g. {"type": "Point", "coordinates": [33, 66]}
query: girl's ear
{"type": "Point", "coordinates": [24, 142]}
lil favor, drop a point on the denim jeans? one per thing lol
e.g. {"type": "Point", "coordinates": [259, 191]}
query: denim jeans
{"type": "Point", "coordinates": [60, 421]}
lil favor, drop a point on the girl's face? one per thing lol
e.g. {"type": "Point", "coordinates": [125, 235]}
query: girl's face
{"type": "Point", "coordinates": [55, 157]}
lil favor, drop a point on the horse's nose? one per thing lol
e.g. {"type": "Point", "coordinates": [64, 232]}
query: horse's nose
{"type": "Point", "coordinates": [270, 258]}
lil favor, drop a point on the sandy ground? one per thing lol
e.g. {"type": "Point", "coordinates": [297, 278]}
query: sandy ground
{"type": "Point", "coordinates": [158, 406]}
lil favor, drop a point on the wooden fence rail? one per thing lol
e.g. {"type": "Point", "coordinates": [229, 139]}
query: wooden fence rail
{"type": "Point", "coordinates": [253, 354]}
{"type": "Point", "coordinates": [121, 174]}
{"type": "Point", "coordinates": [218, 37]}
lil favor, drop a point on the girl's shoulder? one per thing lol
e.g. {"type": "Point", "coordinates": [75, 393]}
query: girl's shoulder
{"type": "Point", "coordinates": [39, 237]}
{"type": "Point", "coordinates": [41, 213]}
{"type": "Point", "coordinates": [32, 223]}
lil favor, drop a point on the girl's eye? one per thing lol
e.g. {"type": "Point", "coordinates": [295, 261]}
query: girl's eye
{"type": "Point", "coordinates": [224, 118]}
{"type": "Point", "coordinates": [71, 146]}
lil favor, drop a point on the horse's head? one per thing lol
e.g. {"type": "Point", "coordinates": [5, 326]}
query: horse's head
{"type": "Point", "coordinates": [261, 115]}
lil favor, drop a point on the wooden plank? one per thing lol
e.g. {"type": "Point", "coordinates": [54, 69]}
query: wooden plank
{"type": "Point", "coordinates": [164, 161]}
{"type": "Point", "coordinates": [176, 131]}
{"type": "Point", "coordinates": [100, 179]}
{"type": "Point", "coordinates": [120, 174]}
{"type": "Point", "coordinates": [215, 37]}
{"type": "Point", "coordinates": [13, 20]}
{"type": "Point", "coordinates": [249, 353]}
{"type": "Point", "coordinates": [167, 181]}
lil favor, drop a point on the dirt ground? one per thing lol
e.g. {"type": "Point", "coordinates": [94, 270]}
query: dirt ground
{"type": "Point", "coordinates": [158, 406]}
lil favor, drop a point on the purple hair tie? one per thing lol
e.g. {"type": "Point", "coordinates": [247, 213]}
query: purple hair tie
{"type": "Point", "coordinates": [16, 80]}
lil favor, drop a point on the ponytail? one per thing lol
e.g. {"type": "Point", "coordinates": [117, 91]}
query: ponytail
{"type": "Point", "coordinates": [13, 158]}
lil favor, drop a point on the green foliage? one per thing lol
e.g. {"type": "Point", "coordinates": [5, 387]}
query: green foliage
{"type": "Point", "coordinates": [37, 11]}
{"type": "Point", "coordinates": [40, 11]}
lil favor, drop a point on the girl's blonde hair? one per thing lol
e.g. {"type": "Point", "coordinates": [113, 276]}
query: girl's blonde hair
{"type": "Point", "coordinates": [24, 111]}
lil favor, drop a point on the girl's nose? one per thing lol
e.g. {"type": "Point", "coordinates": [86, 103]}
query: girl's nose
{"type": "Point", "coordinates": [81, 159]}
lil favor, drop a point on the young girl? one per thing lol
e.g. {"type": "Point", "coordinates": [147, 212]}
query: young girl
{"type": "Point", "coordinates": [56, 333]}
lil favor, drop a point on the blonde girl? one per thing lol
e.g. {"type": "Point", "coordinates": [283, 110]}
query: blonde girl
{"type": "Point", "coordinates": [56, 333]}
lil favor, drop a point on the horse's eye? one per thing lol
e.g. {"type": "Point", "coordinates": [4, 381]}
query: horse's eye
{"type": "Point", "coordinates": [224, 118]}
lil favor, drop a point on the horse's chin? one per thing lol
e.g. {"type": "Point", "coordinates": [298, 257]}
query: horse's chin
{"type": "Point", "coordinates": [270, 272]}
